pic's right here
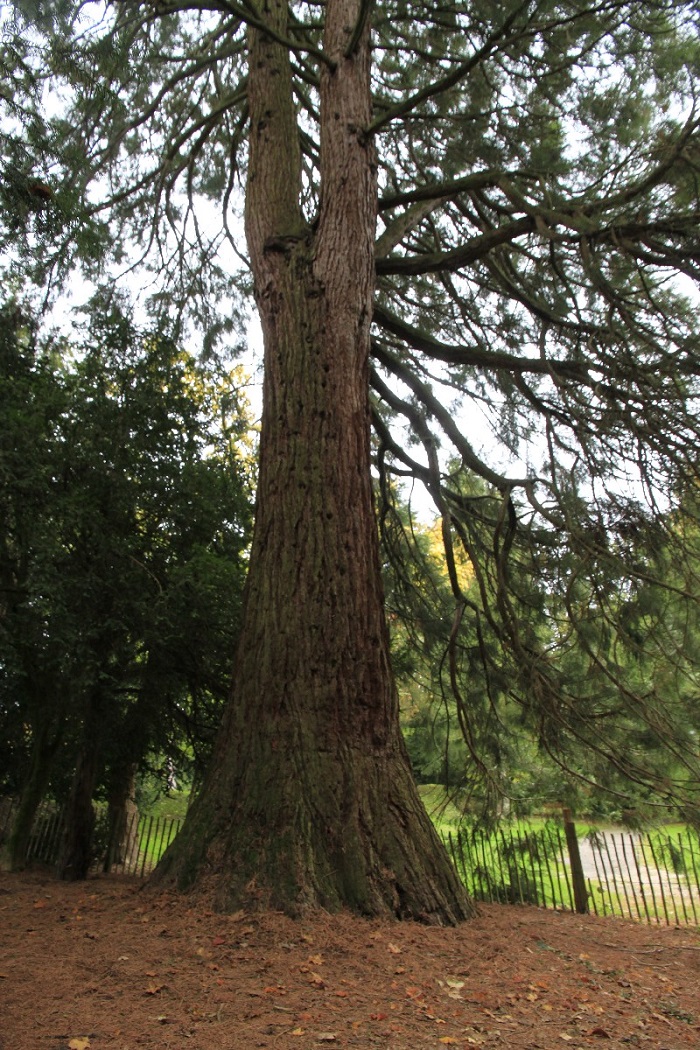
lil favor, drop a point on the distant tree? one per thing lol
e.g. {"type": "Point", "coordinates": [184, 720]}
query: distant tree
{"type": "Point", "coordinates": [534, 170]}
{"type": "Point", "coordinates": [125, 522]}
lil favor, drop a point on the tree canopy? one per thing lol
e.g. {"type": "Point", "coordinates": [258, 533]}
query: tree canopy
{"type": "Point", "coordinates": [534, 167]}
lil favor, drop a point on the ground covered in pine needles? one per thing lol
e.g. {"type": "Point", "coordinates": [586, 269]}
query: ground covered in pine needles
{"type": "Point", "coordinates": [109, 964]}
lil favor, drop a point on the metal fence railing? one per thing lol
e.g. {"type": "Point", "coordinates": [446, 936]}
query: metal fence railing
{"type": "Point", "coordinates": [652, 877]}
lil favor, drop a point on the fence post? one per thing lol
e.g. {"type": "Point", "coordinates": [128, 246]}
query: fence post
{"type": "Point", "coordinates": [691, 852]}
{"type": "Point", "coordinates": [565, 870]}
{"type": "Point", "coordinates": [577, 878]}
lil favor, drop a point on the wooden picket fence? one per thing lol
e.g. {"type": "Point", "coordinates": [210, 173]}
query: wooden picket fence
{"type": "Point", "coordinates": [652, 877]}
{"type": "Point", "coordinates": [141, 843]}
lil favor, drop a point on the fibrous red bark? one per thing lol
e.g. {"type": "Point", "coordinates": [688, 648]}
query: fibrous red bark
{"type": "Point", "coordinates": [310, 800]}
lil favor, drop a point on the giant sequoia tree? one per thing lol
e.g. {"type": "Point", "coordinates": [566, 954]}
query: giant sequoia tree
{"type": "Point", "coordinates": [534, 166]}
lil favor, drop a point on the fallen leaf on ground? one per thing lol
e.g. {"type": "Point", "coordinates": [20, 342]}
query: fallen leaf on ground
{"type": "Point", "coordinates": [79, 1044]}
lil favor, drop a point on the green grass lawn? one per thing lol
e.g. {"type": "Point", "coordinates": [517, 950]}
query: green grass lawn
{"type": "Point", "coordinates": [445, 810]}
{"type": "Point", "coordinates": [172, 806]}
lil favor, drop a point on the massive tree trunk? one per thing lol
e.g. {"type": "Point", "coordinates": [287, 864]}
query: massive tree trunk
{"type": "Point", "coordinates": [310, 800]}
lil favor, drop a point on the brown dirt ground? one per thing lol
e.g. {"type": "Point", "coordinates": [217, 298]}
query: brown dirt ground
{"type": "Point", "coordinates": [110, 964]}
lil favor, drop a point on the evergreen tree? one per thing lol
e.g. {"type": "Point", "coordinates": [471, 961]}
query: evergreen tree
{"type": "Point", "coordinates": [124, 525]}
{"type": "Point", "coordinates": [534, 170]}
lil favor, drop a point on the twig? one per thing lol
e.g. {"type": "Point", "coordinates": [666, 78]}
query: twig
{"type": "Point", "coordinates": [654, 948]}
